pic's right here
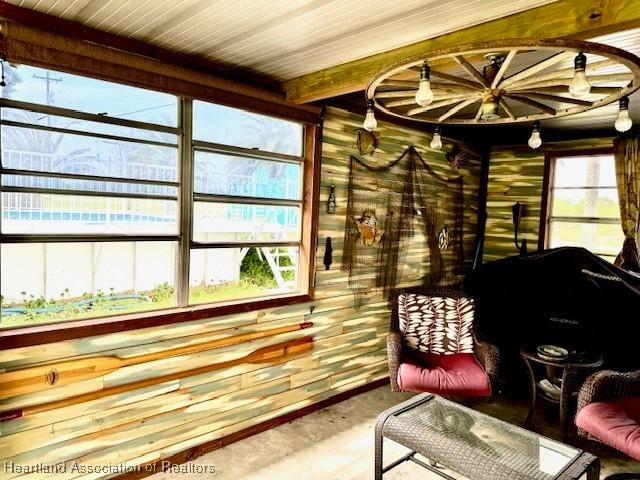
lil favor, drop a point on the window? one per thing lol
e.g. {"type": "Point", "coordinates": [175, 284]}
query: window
{"type": "Point", "coordinates": [247, 210]}
{"type": "Point", "coordinates": [105, 211]}
{"type": "Point", "coordinates": [584, 208]}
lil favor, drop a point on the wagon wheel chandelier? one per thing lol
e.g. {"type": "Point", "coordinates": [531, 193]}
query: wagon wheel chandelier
{"type": "Point", "coordinates": [505, 82]}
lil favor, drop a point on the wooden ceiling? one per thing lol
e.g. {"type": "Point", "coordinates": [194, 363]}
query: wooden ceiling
{"type": "Point", "coordinates": [324, 43]}
{"type": "Point", "coordinates": [282, 39]}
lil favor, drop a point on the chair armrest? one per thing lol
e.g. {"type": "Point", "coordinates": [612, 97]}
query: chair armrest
{"type": "Point", "coordinates": [489, 357]}
{"type": "Point", "coordinates": [608, 385]}
{"type": "Point", "coordinates": [394, 349]}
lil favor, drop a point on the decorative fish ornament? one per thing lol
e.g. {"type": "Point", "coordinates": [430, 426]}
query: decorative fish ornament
{"type": "Point", "coordinates": [366, 142]}
{"type": "Point", "coordinates": [368, 228]}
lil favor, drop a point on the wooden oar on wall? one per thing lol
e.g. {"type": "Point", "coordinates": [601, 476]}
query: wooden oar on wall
{"type": "Point", "coordinates": [277, 352]}
{"type": "Point", "coordinates": [42, 377]}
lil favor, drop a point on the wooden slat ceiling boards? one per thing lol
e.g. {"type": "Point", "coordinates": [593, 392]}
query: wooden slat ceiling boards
{"type": "Point", "coordinates": [280, 38]}
{"type": "Point", "coordinates": [287, 40]}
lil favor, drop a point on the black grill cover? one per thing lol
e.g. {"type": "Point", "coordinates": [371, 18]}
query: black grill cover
{"type": "Point", "coordinates": [565, 296]}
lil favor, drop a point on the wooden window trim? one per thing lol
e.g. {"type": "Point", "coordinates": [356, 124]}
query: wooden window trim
{"type": "Point", "coordinates": [547, 186]}
{"type": "Point", "coordinates": [55, 332]}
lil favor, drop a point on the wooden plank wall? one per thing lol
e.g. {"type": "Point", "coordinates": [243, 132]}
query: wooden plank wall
{"type": "Point", "coordinates": [516, 174]}
{"type": "Point", "coordinates": [161, 420]}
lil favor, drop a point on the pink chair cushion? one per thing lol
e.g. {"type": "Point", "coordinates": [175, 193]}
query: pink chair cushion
{"type": "Point", "coordinates": [615, 423]}
{"type": "Point", "coordinates": [457, 375]}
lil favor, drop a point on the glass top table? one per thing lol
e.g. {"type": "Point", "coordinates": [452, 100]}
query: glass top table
{"type": "Point", "coordinates": [476, 445]}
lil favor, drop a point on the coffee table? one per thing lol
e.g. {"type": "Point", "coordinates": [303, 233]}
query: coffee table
{"type": "Point", "coordinates": [475, 445]}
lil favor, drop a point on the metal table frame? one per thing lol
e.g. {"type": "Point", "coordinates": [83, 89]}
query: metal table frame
{"type": "Point", "coordinates": [583, 463]}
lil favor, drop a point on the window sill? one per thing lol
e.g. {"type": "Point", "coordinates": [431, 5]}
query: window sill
{"type": "Point", "coordinates": [56, 332]}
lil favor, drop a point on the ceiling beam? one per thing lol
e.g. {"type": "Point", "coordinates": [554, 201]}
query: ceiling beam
{"type": "Point", "coordinates": [579, 19]}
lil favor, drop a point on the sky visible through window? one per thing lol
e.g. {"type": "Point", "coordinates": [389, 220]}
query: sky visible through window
{"type": "Point", "coordinates": [585, 210]}
{"type": "Point", "coordinates": [63, 281]}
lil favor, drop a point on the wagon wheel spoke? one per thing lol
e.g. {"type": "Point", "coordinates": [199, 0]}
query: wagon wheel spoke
{"type": "Point", "coordinates": [564, 72]}
{"type": "Point", "coordinates": [458, 107]}
{"type": "Point", "coordinates": [564, 89]}
{"type": "Point", "coordinates": [455, 79]}
{"type": "Point", "coordinates": [412, 101]}
{"type": "Point", "coordinates": [503, 68]}
{"type": "Point", "coordinates": [557, 98]}
{"type": "Point", "coordinates": [471, 70]}
{"type": "Point", "coordinates": [533, 103]}
{"type": "Point", "coordinates": [507, 108]}
{"type": "Point", "coordinates": [397, 94]}
{"type": "Point", "coordinates": [476, 119]}
{"type": "Point", "coordinates": [436, 105]}
{"type": "Point", "coordinates": [593, 80]}
{"type": "Point", "coordinates": [536, 68]}
{"type": "Point", "coordinates": [398, 83]}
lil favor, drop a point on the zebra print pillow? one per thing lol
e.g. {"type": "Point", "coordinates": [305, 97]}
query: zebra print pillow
{"type": "Point", "coordinates": [440, 325]}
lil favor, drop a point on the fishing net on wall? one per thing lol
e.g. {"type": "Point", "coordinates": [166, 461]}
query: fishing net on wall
{"type": "Point", "coordinates": [387, 207]}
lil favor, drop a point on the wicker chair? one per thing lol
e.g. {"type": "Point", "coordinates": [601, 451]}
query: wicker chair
{"type": "Point", "coordinates": [605, 397]}
{"type": "Point", "coordinates": [487, 354]}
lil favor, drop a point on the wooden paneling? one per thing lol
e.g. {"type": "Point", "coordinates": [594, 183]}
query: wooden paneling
{"type": "Point", "coordinates": [159, 421]}
{"type": "Point", "coordinates": [278, 38]}
{"type": "Point", "coordinates": [516, 174]}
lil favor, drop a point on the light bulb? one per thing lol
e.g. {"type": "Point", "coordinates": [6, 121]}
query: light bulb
{"type": "Point", "coordinates": [623, 122]}
{"type": "Point", "coordinates": [579, 86]}
{"type": "Point", "coordinates": [535, 140]}
{"type": "Point", "coordinates": [436, 141]}
{"type": "Point", "coordinates": [370, 123]}
{"type": "Point", "coordinates": [424, 95]}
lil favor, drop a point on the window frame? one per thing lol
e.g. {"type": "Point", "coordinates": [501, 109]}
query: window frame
{"type": "Point", "coordinates": [548, 188]}
{"type": "Point", "coordinates": [186, 147]}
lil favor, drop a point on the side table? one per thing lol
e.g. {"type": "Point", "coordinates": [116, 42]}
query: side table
{"type": "Point", "coordinates": [574, 370]}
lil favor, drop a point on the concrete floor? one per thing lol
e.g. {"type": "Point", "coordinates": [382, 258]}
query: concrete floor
{"type": "Point", "coordinates": [337, 444]}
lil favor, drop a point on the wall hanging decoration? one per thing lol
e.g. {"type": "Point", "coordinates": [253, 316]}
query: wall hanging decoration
{"type": "Point", "coordinates": [443, 238]}
{"type": "Point", "coordinates": [457, 157]}
{"type": "Point", "coordinates": [328, 254]}
{"type": "Point", "coordinates": [366, 141]}
{"type": "Point", "coordinates": [517, 211]}
{"type": "Point", "coordinates": [504, 82]}
{"type": "Point", "coordinates": [387, 207]}
{"type": "Point", "coordinates": [368, 228]}
{"type": "Point", "coordinates": [331, 201]}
